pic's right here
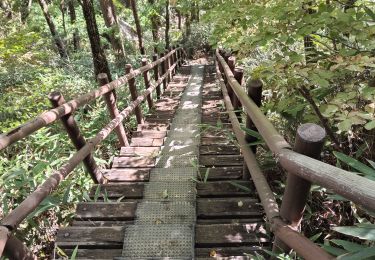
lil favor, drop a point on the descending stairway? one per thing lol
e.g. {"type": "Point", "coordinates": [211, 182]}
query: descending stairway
{"type": "Point", "coordinates": [151, 208]}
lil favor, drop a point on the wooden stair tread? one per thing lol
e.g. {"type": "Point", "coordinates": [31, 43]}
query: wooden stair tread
{"type": "Point", "coordinates": [134, 162]}
{"type": "Point", "coordinates": [139, 151]}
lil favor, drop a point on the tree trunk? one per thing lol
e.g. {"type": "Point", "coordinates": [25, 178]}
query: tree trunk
{"type": "Point", "coordinates": [73, 18]}
{"type": "Point", "coordinates": [179, 19]}
{"type": "Point", "coordinates": [187, 26]}
{"type": "Point", "coordinates": [137, 26]}
{"type": "Point", "coordinates": [154, 18]}
{"type": "Point", "coordinates": [25, 10]}
{"type": "Point", "coordinates": [59, 43]}
{"type": "Point", "coordinates": [98, 56]}
{"type": "Point", "coordinates": [6, 8]}
{"type": "Point", "coordinates": [110, 19]}
{"type": "Point", "coordinates": [167, 24]}
{"type": "Point", "coordinates": [126, 3]}
{"type": "Point", "coordinates": [63, 10]}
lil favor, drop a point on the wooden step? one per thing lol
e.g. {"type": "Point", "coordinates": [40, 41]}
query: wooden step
{"type": "Point", "coordinates": [215, 235]}
{"type": "Point", "coordinates": [127, 175]}
{"type": "Point", "coordinates": [148, 142]}
{"type": "Point", "coordinates": [134, 162]}
{"type": "Point", "coordinates": [220, 160]}
{"type": "Point", "coordinates": [215, 149]}
{"type": "Point", "coordinates": [153, 126]}
{"type": "Point", "coordinates": [209, 189]}
{"type": "Point", "coordinates": [217, 140]}
{"type": "Point", "coordinates": [149, 134]}
{"type": "Point", "coordinates": [139, 151]}
{"type": "Point", "coordinates": [222, 173]}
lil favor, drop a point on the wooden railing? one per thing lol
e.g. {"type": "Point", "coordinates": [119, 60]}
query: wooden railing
{"type": "Point", "coordinates": [166, 64]}
{"type": "Point", "coordinates": [301, 163]}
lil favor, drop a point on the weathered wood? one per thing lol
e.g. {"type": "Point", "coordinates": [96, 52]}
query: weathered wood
{"type": "Point", "coordinates": [156, 75]}
{"type": "Point", "coordinates": [216, 141]}
{"type": "Point", "coordinates": [228, 208]}
{"type": "Point", "coordinates": [102, 223]}
{"type": "Point", "coordinates": [110, 99]}
{"type": "Point", "coordinates": [222, 173]}
{"type": "Point", "coordinates": [230, 235]}
{"type": "Point", "coordinates": [146, 78]}
{"type": "Point", "coordinates": [114, 191]}
{"type": "Point", "coordinates": [106, 211]}
{"type": "Point", "coordinates": [93, 253]}
{"type": "Point", "coordinates": [127, 175]}
{"type": "Point", "coordinates": [134, 94]}
{"type": "Point", "coordinates": [221, 160]}
{"type": "Point", "coordinates": [149, 134]}
{"type": "Point", "coordinates": [85, 237]}
{"type": "Point", "coordinates": [139, 151]}
{"type": "Point", "coordinates": [153, 126]}
{"type": "Point", "coordinates": [139, 141]}
{"type": "Point", "coordinates": [69, 123]}
{"type": "Point", "coordinates": [225, 189]}
{"type": "Point", "coordinates": [134, 162]}
{"type": "Point", "coordinates": [238, 253]}
{"type": "Point", "coordinates": [218, 149]}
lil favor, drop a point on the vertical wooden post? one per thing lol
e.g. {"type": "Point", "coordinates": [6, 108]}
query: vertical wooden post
{"type": "Point", "coordinates": [147, 84]}
{"type": "Point", "coordinates": [71, 127]}
{"type": "Point", "coordinates": [309, 141]}
{"type": "Point", "coordinates": [163, 65]}
{"type": "Point", "coordinates": [232, 66]}
{"type": "Point", "coordinates": [110, 100]}
{"type": "Point", "coordinates": [178, 56]}
{"type": "Point", "coordinates": [254, 91]}
{"type": "Point", "coordinates": [238, 75]}
{"type": "Point", "coordinates": [167, 66]}
{"type": "Point", "coordinates": [171, 61]}
{"type": "Point", "coordinates": [134, 94]}
{"type": "Point", "coordinates": [156, 75]}
{"type": "Point", "coordinates": [175, 59]}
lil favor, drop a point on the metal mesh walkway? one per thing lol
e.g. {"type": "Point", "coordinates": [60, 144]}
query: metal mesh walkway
{"type": "Point", "coordinates": [165, 219]}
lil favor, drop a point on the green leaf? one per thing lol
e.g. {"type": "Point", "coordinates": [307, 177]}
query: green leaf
{"type": "Point", "coordinates": [240, 186]}
{"type": "Point", "coordinates": [206, 175]}
{"type": "Point", "coordinates": [74, 254]}
{"type": "Point", "coordinates": [349, 246]}
{"type": "Point", "coordinates": [369, 12]}
{"type": "Point", "coordinates": [315, 237]}
{"type": "Point", "coordinates": [328, 110]}
{"type": "Point", "coordinates": [334, 250]}
{"type": "Point", "coordinates": [66, 194]}
{"type": "Point", "coordinates": [366, 253]}
{"type": "Point", "coordinates": [359, 232]}
{"type": "Point", "coordinates": [370, 125]}
{"type": "Point", "coordinates": [361, 167]}
{"type": "Point", "coordinates": [97, 193]}
{"type": "Point", "coordinates": [252, 133]}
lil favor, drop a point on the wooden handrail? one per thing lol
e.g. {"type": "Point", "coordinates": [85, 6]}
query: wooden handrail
{"type": "Point", "coordinates": [303, 246]}
{"type": "Point", "coordinates": [52, 115]}
{"type": "Point", "coordinates": [17, 215]}
{"type": "Point", "coordinates": [347, 184]}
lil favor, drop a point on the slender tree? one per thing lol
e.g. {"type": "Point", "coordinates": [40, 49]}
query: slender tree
{"type": "Point", "coordinates": [55, 35]}
{"type": "Point", "coordinates": [167, 24]}
{"type": "Point", "coordinates": [137, 26]}
{"type": "Point", "coordinates": [179, 18]}
{"type": "Point", "coordinates": [98, 55]}
{"type": "Point", "coordinates": [73, 18]}
{"type": "Point", "coordinates": [110, 19]}
{"type": "Point", "coordinates": [155, 24]}
{"type": "Point", "coordinates": [4, 5]}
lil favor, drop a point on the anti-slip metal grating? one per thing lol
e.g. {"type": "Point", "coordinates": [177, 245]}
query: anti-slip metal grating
{"type": "Point", "coordinates": [165, 219]}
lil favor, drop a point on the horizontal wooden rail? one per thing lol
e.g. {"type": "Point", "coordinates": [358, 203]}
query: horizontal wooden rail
{"type": "Point", "coordinates": [347, 184]}
{"type": "Point", "coordinates": [302, 245]}
{"type": "Point", "coordinates": [52, 115]}
{"type": "Point", "coordinates": [17, 215]}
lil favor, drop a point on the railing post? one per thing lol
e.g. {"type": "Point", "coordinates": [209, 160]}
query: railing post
{"type": "Point", "coordinates": [232, 65]}
{"type": "Point", "coordinates": [238, 75]}
{"type": "Point", "coordinates": [175, 59]}
{"type": "Point", "coordinates": [71, 127]}
{"type": "Point", "coordinates": [309, 141]}
{"type": "Point", "coordinates": [178, 56]}
{"type": "Point", "coordinates": [110, 100]}
{"type": "Point", "coordinates": [134, 94]}
{"type": "Point", "coordinates": [254, 91]}
{"type": "Point", "coordinates": [147, 84]}
{"type": "Point", "coordinates": [167, 66]}
{"type": "Point", "coordinates": [163, 65]}
{"type": "Point", "coordinates": [156, 75]}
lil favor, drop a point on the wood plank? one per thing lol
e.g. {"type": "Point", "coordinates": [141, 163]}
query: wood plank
{"type": "Point", "coordinates": [106, 211]}
{"type": "Point", "coordinates": [85, 237]}
{"type": "Point", "coordinates": [214, 235]}
{"type": "Point", "coordinates": [221, 160]}
{"type": "Point", "coordinates": [149, 134]}
{"type": "Point", "coordinates": [134, 162]}
{"type": "Point", "coordinates": [148, 142]}
{"type": "Point", "coordinates": [154, 126]}
{"type": "Point", "coordinates": [139, 151]}
{"type": "Point", "coordinates": [128, 190]}
{"type": "Point", "coordinates": [101, 223]}
{"type": "Point", "coordinates": [215, 149]}
{"type": "Point", "coordinates": [132, 175]}
{"type": "Point", "coordinates": [216, 140]}
{"type": "Point", "coordinates": [228, 208]}
{"type": "Point", "coordinates": [134, 190]}
{"type": "Point", "coordinates": [222, 173]}
{"type": "Point", "coordinates": [94, 253]}
{"type": "Point", "coordinates": [230, 235]}
{"type": "Point", "coordinates": [225, 189]}
{"type": "Point", "coordinates": [240, 253]}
